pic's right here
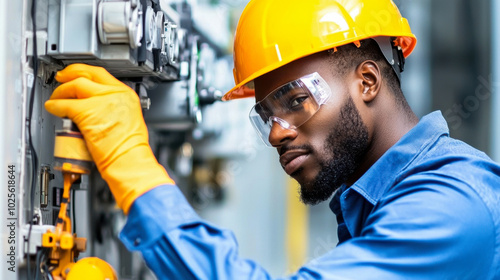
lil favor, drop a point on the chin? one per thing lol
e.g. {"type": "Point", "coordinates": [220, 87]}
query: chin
{"type": "Point", "coordinates": [305, 176]}
{"type": "Point", "coordinates": [318, 188]}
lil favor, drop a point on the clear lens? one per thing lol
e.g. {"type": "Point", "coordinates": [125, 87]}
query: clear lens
{"type": "Point", "coordinates": [290, 105]}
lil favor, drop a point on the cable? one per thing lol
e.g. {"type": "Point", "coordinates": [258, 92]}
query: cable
{"type": "Point", "coordinates": [39, 261]}
{"type": "Point", "coordinates": [34, 157]}
{"type": "Point", "coordinates": [43, 268]}
{"type": "Point", "coordinates": [38, 256]}
{"type": "Point", "coordinates": [47, 271]}
{"type": "Point", "coordinates": [73, 208]}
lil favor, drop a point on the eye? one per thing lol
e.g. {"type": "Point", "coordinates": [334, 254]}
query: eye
{"type": "Point", "coordinates": [297, 101]}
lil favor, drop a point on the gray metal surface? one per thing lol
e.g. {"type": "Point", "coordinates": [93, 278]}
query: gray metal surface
{"type": "Point", "coordinates": [73, 37]}
{"type": "Point", "coordinates": [75, 21]}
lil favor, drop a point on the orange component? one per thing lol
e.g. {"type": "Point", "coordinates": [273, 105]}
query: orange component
{"type": "Point", "coordinates": [73, 159]}
{"type": "Point", "coordinates": [65, 245]}
{"type": "Point", "coordinates": [66, 241]}
{"type": "Point", "coordinates": [404, 43]}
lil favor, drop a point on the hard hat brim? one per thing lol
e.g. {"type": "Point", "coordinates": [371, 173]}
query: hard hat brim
{"type": "Point", "coordinates": [245, 88]}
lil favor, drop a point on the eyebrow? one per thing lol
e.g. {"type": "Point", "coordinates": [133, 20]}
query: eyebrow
{"type": "Point", "coordinates": [277, 94]}
{"type": "Point", "coordinates": [284, 90]}
{"type": "Point", "coordinates": [261, 110]}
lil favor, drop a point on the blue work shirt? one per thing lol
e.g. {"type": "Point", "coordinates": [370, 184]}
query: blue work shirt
{"type": "Point", "coordinates": [429, 208]}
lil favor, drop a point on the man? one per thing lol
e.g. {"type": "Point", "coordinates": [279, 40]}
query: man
{"type": "Point", "coordinates": [412, 203]}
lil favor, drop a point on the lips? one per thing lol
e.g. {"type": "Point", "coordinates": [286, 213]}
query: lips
{"type": "Point", "coordinates": [292, 160]}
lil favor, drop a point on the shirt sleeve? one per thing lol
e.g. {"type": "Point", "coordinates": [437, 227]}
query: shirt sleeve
{"type": "Point", "coordinates": [414, 233]}
{"type": "Point", "coordinates": [177, 244]}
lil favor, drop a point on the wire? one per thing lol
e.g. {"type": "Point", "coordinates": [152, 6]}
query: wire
{"type": "Point", "coordinates": [39, 261]}
{"type": "Point", "coordinates": [38, 256]}
{"type": "Point", "coordinates": [47, 271]}
{"type": "Point", "coordinates": [34, 157]}
{"type": "Point", "coordinates": [73, 208]}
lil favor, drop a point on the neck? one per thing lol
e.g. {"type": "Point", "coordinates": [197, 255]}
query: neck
{"type": "Point", "coordinates": [390, 126]}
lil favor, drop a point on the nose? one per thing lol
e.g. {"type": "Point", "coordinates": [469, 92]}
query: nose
{"type": "Point", "coordinates": [280, 135]}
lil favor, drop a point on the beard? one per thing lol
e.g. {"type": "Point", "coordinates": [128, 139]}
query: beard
{"type": "Point", "coordinates": [346, 143]}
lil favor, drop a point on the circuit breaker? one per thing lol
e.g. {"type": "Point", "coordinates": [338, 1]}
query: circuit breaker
{"type": "Point", "coordinates": [150, 45]}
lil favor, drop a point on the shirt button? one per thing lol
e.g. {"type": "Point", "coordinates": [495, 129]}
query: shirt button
{"type": "Point", "coordinates": [137, 241]}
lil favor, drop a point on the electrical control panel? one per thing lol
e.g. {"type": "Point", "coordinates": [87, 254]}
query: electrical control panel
{"type": "Point", "coordinates": [154, 47]}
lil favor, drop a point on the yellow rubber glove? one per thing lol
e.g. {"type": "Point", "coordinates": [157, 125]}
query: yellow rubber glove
{"type": "Point", "coordinates": [108, 113]}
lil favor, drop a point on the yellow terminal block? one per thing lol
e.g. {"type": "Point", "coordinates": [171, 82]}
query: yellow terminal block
{"type": "Point", "coordinates": [73, 159]}
{"type": "Point", "coordinates": [67, 241]}
{"type": "Point", "coordinates": [64, 245]}
{"type": "Point", "coordinates": [49, 239]}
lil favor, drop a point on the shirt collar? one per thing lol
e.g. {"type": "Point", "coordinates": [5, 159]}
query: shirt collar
{"type": "Point", "coordinates": [399, 157]}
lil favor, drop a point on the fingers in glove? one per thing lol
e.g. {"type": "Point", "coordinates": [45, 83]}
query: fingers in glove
{"type": "Point", "coordinates": [63, 108]}
{"type": "Point", "coordinates": [80, 88]}
{"type": "Point", "coordinates": [94, 73]}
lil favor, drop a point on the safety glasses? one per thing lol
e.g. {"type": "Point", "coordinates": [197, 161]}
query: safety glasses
{"type": "Point", "coordinates": [290, 105]}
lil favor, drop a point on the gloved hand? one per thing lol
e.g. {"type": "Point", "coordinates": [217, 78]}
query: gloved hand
{"type": "Point", "coordinates": [108, 113]}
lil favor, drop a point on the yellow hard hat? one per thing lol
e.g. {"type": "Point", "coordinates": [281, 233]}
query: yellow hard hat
{"type": "Point", "coordinates": [272, 33]}
{"type": "Point", "coordinates": [91, 268]}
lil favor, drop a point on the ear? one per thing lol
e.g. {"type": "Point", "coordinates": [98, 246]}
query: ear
{"type": "Point", "coordinates": [370, 79]}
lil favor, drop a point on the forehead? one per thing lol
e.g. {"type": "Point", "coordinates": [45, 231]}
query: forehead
{"type": "Point", "coordinates": [315, 63]}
